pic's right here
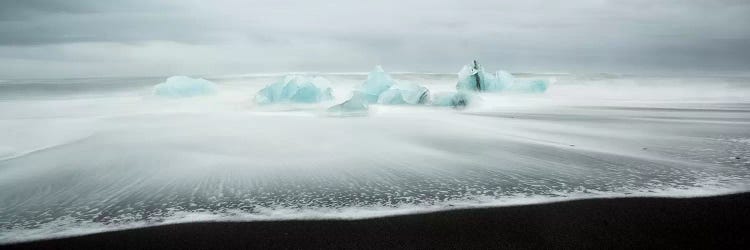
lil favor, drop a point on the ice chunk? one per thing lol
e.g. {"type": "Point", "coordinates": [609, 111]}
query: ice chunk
{"type": "Point", "coordinates": [405, 93]}
{"type": "Point", "coordinates": [530, 86]}
{"type": "Point", "coordinates": [356, 104]}
{"type": "Point", "coordinates": [296, 89]}
{"type": "Point", "coordinates": [381, 88]}
{"type": "Point", "coordinates": [474, 78]}
{"type": "Point", "coordinates": [183, 86]}
{"type": "Point", "coordinates": [504, 79]}
{"type": "Point", "coordinates": [378, 81]}
{"type": "Point", "coordinates": [467, 78]}
{"type": "Point", "coordinates": [453, 99]}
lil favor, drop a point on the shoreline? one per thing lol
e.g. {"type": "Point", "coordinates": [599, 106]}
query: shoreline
{"type": "Point", "coordinates": [702, 222]}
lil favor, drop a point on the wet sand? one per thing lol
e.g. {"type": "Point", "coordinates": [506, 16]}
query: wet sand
{"type": "Point", "coordinates": [719, 222]}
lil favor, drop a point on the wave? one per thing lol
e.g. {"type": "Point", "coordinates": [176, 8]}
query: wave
{"type": "Point", "coordinates": [125, 160]}
{"type": "Point", "coordinates": [69, 226]}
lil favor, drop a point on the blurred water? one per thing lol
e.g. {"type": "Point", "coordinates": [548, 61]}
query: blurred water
{"type": "Point", "coordinates": [88, 155]}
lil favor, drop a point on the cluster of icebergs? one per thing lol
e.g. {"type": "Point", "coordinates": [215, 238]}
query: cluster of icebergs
{"type": "Point", "coordinates": [379, 88]}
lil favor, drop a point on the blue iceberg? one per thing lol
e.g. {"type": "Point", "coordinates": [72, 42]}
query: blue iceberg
{"type": "Point", "coordinates": [382, 89]}
{"type": "Point", "coordinates": [378, 81]}
{"type": "Point", "coordinates": [453, 99]}
{"type": "Point", "coordinates": [474, 78]}
{"type": "Point", "coordinates": [356, 104]}
{"type": "Point", "coordinates": [183, 86]}
{"type": "Point", "coordinates": [403, 93]}
{"type": "Point", "coordinates": [296, 89]}
{"type": "Point", "coordinates": [530, 86]}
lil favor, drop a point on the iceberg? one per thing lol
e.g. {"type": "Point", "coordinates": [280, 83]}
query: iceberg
{"type": "Point", "coordinates": [474, 78]}
{"type": "Point", "coordinates": [530, 86]}
{"type": "Point", "coordinates": [382, 89]}
{"type": "Point", "coordinates": [296, 89]}
{"type": "Point", "coordinates": [453, 99]}
{"type": "Point", "coordinates": [356, 104]}
{"type": "Point", "coordinates": [405, 93]}
{"type": "Point", "coordinates": [378, 81]}
{"type": "Point", "coordinates": [183, 86]}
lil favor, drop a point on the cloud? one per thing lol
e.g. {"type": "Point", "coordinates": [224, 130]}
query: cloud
{"type": "Point", "coordinates": [97, 37]}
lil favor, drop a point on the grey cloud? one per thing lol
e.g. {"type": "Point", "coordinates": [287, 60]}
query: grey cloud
{"type": "Point", "coordinates": [410, 35]}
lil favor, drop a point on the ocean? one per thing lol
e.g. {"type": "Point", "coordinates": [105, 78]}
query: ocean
{"type": "Point", "coordinates": [88, 155]}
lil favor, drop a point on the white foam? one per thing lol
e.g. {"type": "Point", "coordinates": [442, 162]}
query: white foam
{"type": "Point", "coordinates": [581, 139]}
{"type": "Point", "coordinates": [66, 226]}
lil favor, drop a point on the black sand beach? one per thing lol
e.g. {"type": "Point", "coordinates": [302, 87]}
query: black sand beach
{"type": "Point", "coordinates": [720, 222]}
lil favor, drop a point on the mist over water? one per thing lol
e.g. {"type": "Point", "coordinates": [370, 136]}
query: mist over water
{"type": "Point", "coordinates": [88, 155]}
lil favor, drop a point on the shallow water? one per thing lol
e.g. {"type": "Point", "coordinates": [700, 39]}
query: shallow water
{"type": "Point", "coordinates": [89, 155]}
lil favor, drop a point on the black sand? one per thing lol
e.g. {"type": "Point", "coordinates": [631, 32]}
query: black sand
{"type": "Point", "coordinates": [721, 222]}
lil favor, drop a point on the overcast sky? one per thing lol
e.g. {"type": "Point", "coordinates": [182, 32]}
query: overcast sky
{"type": "Point", "coordinates": [71, 38]}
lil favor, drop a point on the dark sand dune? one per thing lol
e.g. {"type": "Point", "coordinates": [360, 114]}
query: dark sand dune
{"type": "Point", "coordinates": [720, 222]}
